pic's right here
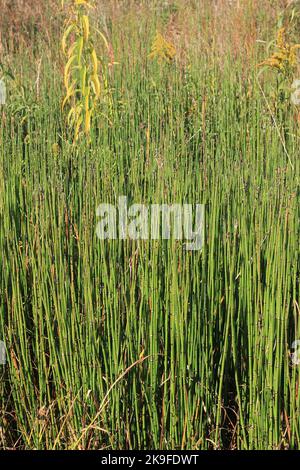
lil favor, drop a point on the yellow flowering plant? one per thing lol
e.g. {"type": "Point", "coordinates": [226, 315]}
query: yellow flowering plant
{"type": "Point", "coordinates": [284, 57]}
{"type": "Point", "coordinates": [284, 60]}
{"type": "Point", "coordinates": [162, 50]}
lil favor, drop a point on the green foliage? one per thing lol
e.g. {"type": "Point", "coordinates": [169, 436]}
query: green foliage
{"type": "Point", "coordinates": [141, 344]}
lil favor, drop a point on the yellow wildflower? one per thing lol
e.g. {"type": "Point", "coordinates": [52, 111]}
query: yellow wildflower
{"type": "Point", "coordinates": [285, 55]}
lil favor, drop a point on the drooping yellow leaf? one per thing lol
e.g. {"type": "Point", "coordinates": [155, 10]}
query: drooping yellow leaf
{"type": "Point", "coordinates": [85, 27]}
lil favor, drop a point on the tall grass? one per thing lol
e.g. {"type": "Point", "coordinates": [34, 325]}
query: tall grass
{"type": "Point", "coordinates": [125, 344]}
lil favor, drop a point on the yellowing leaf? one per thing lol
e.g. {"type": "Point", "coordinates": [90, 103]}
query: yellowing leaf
{"type": "Point", "coordinates": [162, 50]}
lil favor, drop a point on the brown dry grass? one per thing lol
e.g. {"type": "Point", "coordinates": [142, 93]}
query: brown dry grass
{"type": "Point", "coordinates": [209, 27]}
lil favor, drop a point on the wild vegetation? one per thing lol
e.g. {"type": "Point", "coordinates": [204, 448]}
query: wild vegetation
{"type": "Point", "coordinates": [123, 344]}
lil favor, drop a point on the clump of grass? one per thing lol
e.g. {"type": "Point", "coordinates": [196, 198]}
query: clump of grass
{"type": "Point", "coordinates": [141, 344]}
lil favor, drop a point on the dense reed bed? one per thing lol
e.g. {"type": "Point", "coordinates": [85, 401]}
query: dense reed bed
{"type": "Point", "coordinates": [127, 344]}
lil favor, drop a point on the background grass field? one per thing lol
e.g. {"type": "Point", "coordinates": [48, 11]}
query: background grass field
{"type": "Point", "coordinates": [142, 344]}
